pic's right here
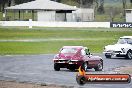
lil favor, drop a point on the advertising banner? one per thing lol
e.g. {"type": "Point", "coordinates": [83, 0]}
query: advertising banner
{"type": "Point", "coordinates": [120, 25]}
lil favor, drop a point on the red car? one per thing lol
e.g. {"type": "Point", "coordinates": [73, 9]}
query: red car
{"type": "Point", "coordinates": [71, 57]}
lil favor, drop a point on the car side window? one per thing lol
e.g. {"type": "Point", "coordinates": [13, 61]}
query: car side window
{"type": "Point", "coordinates": [83, 52]}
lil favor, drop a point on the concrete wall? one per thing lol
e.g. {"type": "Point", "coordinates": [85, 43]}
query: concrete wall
{"type": "Point", "coordinates": [128, 15]}
{"type": "Point", "coordinates": [60, 17]}
{"type": "Point", "coordinates": [80, 15]}
{"type": "Point", "coordinates": [55, 24]}
{"type": "Point", "coordinates": [84, 14]}
{"type": "Point", "coordinates": [70, 17]}
{"type": "Point", "coordinates": [48, 16]}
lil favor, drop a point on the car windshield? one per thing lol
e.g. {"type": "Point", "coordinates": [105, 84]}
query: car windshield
{"type": "Point", "coordinates": [68, 50]}
{"type": "Point", "coordinates": [124, 41]}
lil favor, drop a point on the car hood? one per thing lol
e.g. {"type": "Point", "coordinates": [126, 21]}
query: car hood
{"type": "Point", "coordinates": [116, 47]}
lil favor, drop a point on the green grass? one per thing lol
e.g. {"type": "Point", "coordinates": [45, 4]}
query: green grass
{"type": "Point", "coordinates": [102, 18]}
{"type": "Point", "coordinates": [46, 47]}
{"type": "Point", "coordinates": [94, 38]}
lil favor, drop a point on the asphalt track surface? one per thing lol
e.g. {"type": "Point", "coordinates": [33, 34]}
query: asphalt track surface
{"type": "Point", "coordinates": [39, 69]}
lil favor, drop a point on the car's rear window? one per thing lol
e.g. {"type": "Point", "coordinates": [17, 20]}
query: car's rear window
{"type": "Point", "coordinates": [69, 50]}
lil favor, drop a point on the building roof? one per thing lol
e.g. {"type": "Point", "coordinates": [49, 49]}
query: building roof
{"type": "Point", "coordinates": [42, 5]}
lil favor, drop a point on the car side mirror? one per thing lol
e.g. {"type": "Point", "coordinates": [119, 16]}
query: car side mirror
{"type": "Point", "coordinates": [86, 53]}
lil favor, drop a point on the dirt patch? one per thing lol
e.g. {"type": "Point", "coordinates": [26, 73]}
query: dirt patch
{"type": "Point", "coordinates": [5, 84]}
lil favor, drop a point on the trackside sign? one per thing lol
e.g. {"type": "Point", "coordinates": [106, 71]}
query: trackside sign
{"type": "Point", "coordinates": [121, 25]}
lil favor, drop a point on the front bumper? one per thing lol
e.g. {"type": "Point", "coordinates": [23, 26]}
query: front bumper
{"type": "Point", "coordinates": [114, 53]}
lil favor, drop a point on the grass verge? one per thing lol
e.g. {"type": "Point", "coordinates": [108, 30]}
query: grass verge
{"type": "Point", "coordinates": [93, 38]}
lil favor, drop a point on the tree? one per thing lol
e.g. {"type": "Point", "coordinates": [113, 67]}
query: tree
{"type": "Point", "coordinates": [131, 2]}
{"type": "Point", "coordinates": [101, 7]}
{"type": "Point", "coordinates": [19, 1]}
{"type": "Point", "coordinates": [112, 12]}
{"type": "Point", "coordinates": [85, 3]}
{"type": "Point", "coordinates": [56, 0]}
{"type": "Point", "coordinates": [124, 6]}
{"type": "Point", "coordinates": [3, 4]}
{"type": "Point", "coordinates": [22, 1]}
{"type": "Point", "coordinates": [96, 4]}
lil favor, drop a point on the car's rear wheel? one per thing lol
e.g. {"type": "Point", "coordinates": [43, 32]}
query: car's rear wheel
{"type": "Point", "coordinates": [129, 54]}
{"type": "Point", "coordinates": [56, 67]}
{"type": "Point", "coordinates": [99, 67]}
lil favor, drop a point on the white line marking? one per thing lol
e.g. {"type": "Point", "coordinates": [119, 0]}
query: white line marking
{"type": "Point", "coordinates": [50, 39]}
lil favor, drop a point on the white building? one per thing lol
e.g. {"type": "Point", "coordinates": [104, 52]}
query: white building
{"type": "Point", "coordinates": [53, 11]}
{"type": "Point", "coordinates": [46, 10]}
{"type": "Point", "coordinates": [128, 15]}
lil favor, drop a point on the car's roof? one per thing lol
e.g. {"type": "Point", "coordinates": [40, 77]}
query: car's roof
{"type": "Point", "coordinates": [126, 37]}
{"type": "Point", "coordinates": [72, 46]}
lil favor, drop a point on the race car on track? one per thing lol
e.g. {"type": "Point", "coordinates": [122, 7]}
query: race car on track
{"type": "Point", "coordinates": [71, 57]}
{"type": "Point", "coordinates": [123, 48]}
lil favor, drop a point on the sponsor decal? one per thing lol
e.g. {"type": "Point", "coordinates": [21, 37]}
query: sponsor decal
{"type": "Point", "coordinates": [83, 78]}
{"type": "Point", "coordinates": [121, 25]}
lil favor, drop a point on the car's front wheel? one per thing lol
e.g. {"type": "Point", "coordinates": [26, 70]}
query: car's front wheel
{"type": "Point", "coordinates": [56, 67]}
{"type": "Point", "coordinates": [99, 67]}
{"type": "Point", "coordinates": [129, 54]}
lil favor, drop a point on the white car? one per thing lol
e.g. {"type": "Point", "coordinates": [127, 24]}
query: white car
{"type": "Point", "coordinates": [123, 48]}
